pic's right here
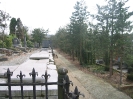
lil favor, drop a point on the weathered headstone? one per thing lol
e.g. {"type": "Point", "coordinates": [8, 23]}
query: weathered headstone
{"type": "Point", "coordinates": [36, 45]}
{"type": "Point", "coordinates": [16, 42]}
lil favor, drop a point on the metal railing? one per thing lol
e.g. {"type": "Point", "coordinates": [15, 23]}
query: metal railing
{"type": "Point", "coordinates": [63, 84]}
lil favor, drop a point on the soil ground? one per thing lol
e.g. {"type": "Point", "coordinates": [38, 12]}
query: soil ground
{"type": "Point", "coordinates": [91, 86]}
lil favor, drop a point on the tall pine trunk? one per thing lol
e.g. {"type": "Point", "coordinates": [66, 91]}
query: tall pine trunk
{"type": "Point", "coordinates": [111, 50]}
{"type": "Point", "coordinates": [73, 55]}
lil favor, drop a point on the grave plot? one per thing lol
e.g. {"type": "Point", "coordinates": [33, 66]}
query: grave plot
{"type": "Point", "coordinates": [41, 61]}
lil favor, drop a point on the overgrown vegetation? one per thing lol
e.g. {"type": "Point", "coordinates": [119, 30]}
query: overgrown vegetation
{"type": "Point", "coordinates": [29, 43]}
{"type": "Point", "coordinates": [2, 44]}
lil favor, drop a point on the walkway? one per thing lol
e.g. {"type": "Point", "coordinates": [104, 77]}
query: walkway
{"type": "Point", "coordinates": [92, 86]}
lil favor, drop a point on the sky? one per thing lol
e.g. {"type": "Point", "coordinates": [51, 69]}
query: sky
{"type": "Point", "coordinates": [46, 14]}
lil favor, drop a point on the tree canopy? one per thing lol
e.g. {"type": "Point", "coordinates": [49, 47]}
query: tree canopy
{"type": "Point", "coordinates": [109, 39]}
{"type": "Point", "coordinates": [4, 17]}
{"type": "Point", "coordinates": [13, 24]}
{"type": "Point", "coordinates": [38, 35]}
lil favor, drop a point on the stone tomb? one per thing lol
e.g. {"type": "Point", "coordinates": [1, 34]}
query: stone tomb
{"type": "Point", "coordinates": [40, 62]}
{"type": "Point", "coordinates": [40, 55]}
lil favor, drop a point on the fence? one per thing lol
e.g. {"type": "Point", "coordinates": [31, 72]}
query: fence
{"type": "Point", "coordinates": [63, 84]}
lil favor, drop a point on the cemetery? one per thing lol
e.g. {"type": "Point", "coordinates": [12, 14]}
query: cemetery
{"type": "Point", "coordinates": [95, 46]}
{"type": "Point", "coordinates": [39, 68]}
{"type": "Point", "coordinates": [36, 78]}
{"type": "Point", "coordinates": [38, 65]}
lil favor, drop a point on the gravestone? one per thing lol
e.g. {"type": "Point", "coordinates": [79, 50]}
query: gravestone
{"type": "Point", "coordinates": [36, 45]}
{"type": "Point", "coordinates": [16, 42]}
{"type": "Point", "coordinates": [99, 61]}
{"type": "Point", "coordinates": [46, 43]}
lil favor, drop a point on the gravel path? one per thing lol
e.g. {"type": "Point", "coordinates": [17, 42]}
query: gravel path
{"type": "Point", "coordinates": [92, 86]}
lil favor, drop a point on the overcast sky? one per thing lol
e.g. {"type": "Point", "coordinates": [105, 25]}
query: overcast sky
{"type": "Point", "coordinates": [46, 13]}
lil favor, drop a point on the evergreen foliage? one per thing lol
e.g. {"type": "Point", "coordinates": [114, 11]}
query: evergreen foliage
{"type": "Point", "coordinates": [2, 44]}
{"type": "Point", "coordinates": [109, 39]}
{"type": "Point", "coordinates": [8, 41]}
{"type": "Point", "coordinates": [29, 43]}
{"type": "Point", "coordinates": [13, 24]}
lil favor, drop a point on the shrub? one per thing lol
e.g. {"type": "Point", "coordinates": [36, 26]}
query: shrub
{"type": "Point", "coordinates": [29, 43]}
{"type": "Point", "coordinates": [130, 77]}
{"type": "Point", "coordinates": [2, 44]}
{"type": "Point", "coordinates": [8, 42]}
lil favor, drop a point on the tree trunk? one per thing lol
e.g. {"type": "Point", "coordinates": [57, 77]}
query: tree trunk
{"type": "Point", "coordinates": [121, 71]}
{"type": "Point", "coordinates": [73, 55]}
{"type": "Point", "coordinates": [111, 47]}
{"type": "Point", "coordinates": [80, 54]}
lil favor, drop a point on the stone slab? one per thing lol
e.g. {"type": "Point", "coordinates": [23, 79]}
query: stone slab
{"type": "Point", "coordinates": [52, 63]}
{"type": "Point", "coordinates": [44, 49]}
{"type": "Point", "coordinates": [41, 55]}
{"type": "Point", "coordinates": [29, 97]}
{"type": "Point", "coordinates": [123, 70]}
{"type": "Point", "coordinates": [50, 51]}
{"type": "Point", "coordinates": [3, 80]}
{"type": "Point", "coordinates": [16, 90]}
{"type": "Point", "coordinates": [3, 89]}
{"type": "Point", "coordinates": [50, 54]}
{"type": "Point", "coordinates": [32, 62]}
{"type": "Point", "coordinates": [51, 66]}
{"type": "Point", "coordinates": [3, 70]}
{"type": "Point", "coordinates": [51, 60]}
{"type": "Point", "coordinates": [53, 75]}
{"type": "Point", "coordinates": [43, 61]}
{"type": "Point", "coordinates": [40, 68]}
{"type": "Point", "coordinates": [40, 62]}
{"type": "Point", "coordinates": [37, 64]}
{"type": "Point", "coordinates": [40, 90]}
{"type": "Point", "coordinates": [27, 77]}
{"type": "Point", "coordinates": [27, 67]}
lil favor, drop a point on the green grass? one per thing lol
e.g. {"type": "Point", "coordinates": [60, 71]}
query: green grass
{"type": "Point", "coordinates": [96, 68]}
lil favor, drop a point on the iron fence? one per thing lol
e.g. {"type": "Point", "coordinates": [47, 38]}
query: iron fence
{"type": "Point", "coordinates": [63, 84]}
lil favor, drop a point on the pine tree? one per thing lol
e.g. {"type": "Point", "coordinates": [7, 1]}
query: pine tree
{"type": "Point", "coordinates": [78, 27]}
{"type": "Point", "coordinates": [13, 24]}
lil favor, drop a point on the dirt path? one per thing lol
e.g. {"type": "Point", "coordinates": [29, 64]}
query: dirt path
{"type": "Point", "coordinates": [92, 86]}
